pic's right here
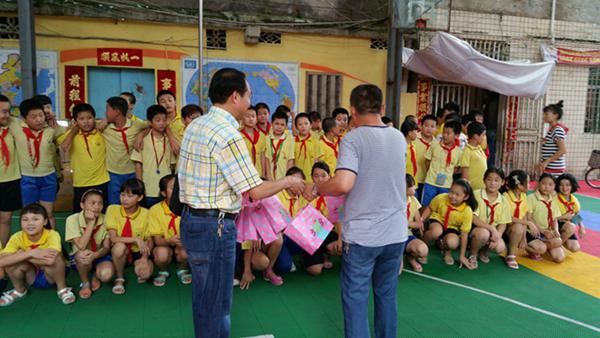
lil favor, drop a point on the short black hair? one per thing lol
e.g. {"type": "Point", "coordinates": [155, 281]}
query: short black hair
{"type": "Point", "coordinates": [454, 125]}
{"type": "Point", "coordinates": [314, 116]}
{"type": "Point", "coordinates": [408, 126]}
{"type": "Point", "coordinates": [190, 109]}
{"type": "Point", "coordinates": [36, 209]}
{"type": "Point", "coordinates": [410, 181]}
{"type": "Point", "coordinates": [452, 106]}
{"type": "Point", "coordinates": [571, 179]}
{"type": "Point", "coordinates": [320, 165]}
{"type": "Point", "coordinates": [476, 112]}
{"type": "Point", "coordinates": [556, 108]}
{"type": "Point", "coordinates": [165, 92]}
{"type": "Point", "coordinates": [279, 115]}
{"type": "Point", "coordinates": [42, 99]}
{"type": "Point", "coordinates": [429, 117]}
{"type": "Point", "coordinates": [494, 170]}
{"type": "Point", "coordinates": [282, 108]}
{"type": "Point", "coordinates": [130, 97]}
{"type": "Point", "coordinates": [134, 186]}
{"type": "Point", "coordinates": [154, 110]}
{"type": "Point", "coordinates": [547, 175]}
{"type": "Point", "coordinates": [118, 103]}
{"type": "Point", "coordinates": [439, 113]}
{"type": "Point", "coordinates": [294, 171]}
{"type": "Point", "coordinates": [466, 119]}
{"type": "Point", "coordinates": [225, 82]}
{"type": "Point", "coordinates": [299, 116]}
{"type": "Point", "coordinates": [262, 105]}
{"type": "Point", "coordinates": [28, 105]}
{"type": "Point", "coordinates": [386, 120]}
{"type": "Point", "coordinates": [328, 124]}
{"type": "Point", "coordinates": [475, 128]}
{"type": "Point", "coordinates": [164, 182]}
{"type": "Point", "coordinates": [340, 110]}
{"type": "Point", "coordinates": [366, 99]}
{"type": "Point", "coordinates": [453, 117]}
{"type": "Point", "coordinates": [81, 107]}
{"type": "Point", "coordinates": [4, 98]}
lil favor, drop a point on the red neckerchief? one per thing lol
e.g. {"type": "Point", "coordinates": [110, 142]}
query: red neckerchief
{"type": "Point", "coordinates": [492, 208]}
{"type": "Point", "coordinates": [447, 216]}
{"type": "Point", "coordinates": [449, 151]}
{"type": "Point", "coordinates": [517, 202]}
{"type": "Point", "coordinates": [291, 206]}
{"type": "Point", "coordinates": [333, 146]}
{"type": "Point", "coordinates": [427, 144]}
{"type": "Point", "coordinates": [413, 159]}
{"type": "Point", "coordinates": [253, 140]}
{"type": "Point", "coordinates": [93, 243]}
{"type": "Point", "coordinates": [266, 130]}
{"type": "Point", "coordinates": [303, 144]}
{"type": "Point", "coordinates": [548, 205]}
{"type": "Point", "coordinates": [276, 149]}
{"type": "Point", "coordinates": [4, 148]}
{"type": "Point", "coordinates": [321, 202]}
{"type": "Point", "coordinates": [86, 134]}
{"type": "Point", "coordinates": [37, 141]}
{"type": "Point", "coordinates": [569, 205]}
{"type": "Point", "coordinates": [128, 232]}
{"type": "Point", "coordinates": [123, 136]}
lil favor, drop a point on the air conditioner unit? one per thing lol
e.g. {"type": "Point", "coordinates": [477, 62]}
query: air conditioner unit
{"type": "Point", "coordinates": [252, 35]}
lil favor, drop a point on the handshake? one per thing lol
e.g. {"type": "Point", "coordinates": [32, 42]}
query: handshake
{"type": "Point", "coordinates": [298, 186]}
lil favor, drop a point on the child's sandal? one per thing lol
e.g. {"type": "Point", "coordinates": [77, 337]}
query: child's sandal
{"type": "Point", "coordinates": [85, 290]}
{"type": "Point", "coordinates": [11, 296]}
{"type": "Point", "coordinates": [473, 261]}
{"type": "Point", "coordinates": [511, 262]}
{"type": "Point", "coordinates": [66, 296]}
{"type": "Point", "coordinates": [161, 279]}
{"type": "Point", "coordinates": [448, 259]}
{"type": "Point", "coordinates": [484, 259]}
{"type": "Point", "coordinates": [184, 276]}
{"type": "Point", "coordinates": [119, 287]}
{"type": "Point", "coordinates": [96, 284]}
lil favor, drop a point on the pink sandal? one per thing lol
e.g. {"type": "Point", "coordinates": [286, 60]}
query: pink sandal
{"type": "Point", "coordinates": [270, 276]}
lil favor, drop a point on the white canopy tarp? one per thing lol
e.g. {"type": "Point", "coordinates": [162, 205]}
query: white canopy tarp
{"type": "Point", "coordinates": [451, 59]}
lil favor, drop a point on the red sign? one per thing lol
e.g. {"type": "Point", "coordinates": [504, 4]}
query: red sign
{"type": "Point", "coordinates": [166, 80]}
{"type": "Point", "coordinates": [74, 87]}
{"type": "Point", "coordinates": [576, 57]}
{"type": "Point", "coordinates": [423, 94]}
{"type": "Point", "coordinates": [120, 57]}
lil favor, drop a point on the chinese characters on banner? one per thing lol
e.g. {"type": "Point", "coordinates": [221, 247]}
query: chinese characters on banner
{"type": "Point", "coordinates": [166, 80]}
{"type": "Point", "coordinates": [423, 93]}
{"type": "Point", "coordinates": [74, 87]}
{"type": "Point", "coordinates": [575, 57]}
{"type": "Point", "coordinates": [120, 57]}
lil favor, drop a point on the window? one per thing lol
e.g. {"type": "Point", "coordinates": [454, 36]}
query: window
{"type": "Point", "coordinates": [323, 92]}
{"type": "Point", "coordinates": [9, 28]}
{"type": "Point", "coordinates": [270, 38]}
{"type": "Point", "coordinates": [379, 44]}
{"type": "Point", "coordinates": [216, 39]}
{"type": "Point", "coordinates": [499, 50]}
{"type": "Point", "coordinates": [592, 107]}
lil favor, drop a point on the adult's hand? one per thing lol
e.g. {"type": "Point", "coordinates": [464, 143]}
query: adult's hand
{"type": "Point", "coordinates": [295, 184]}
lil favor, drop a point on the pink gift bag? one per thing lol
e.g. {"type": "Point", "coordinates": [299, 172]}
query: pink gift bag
{"type": "Point", "coordinates": [245, 230]}
{"type": "Point", "coordinates": [335, 208]}
{"type": "Point", "coordinates": [309, 229]}
{"type": "Point", "coordinates": [278, 216]}
{"type": "Point", "coordinates": [259, 220]}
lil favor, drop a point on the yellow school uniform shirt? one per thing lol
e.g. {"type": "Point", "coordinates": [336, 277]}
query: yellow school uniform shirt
{"type": "Point", "coordinates": [257, 141]}
{"type": "Point", "coordinates": [26, 150]}
{"type": "Point", "coordinates": [50, 239]}
{"type": "Point", "coordinates": [501, 209]}
{"type": "Point", "coordinates": [421, 147]}
{"type": "Point", "coordinates": [473, 157]}
{"type": "Point", "coordinates": [329, 153]}
{"type": "Point", "coordinates": [75, 227]}
{"type": "Point", "coordinates": [290, 203]}
{"type": "Point", "coordinates": [317, 134]}
{"type": "Point", "coordinates": [460, 219]}
{"type": "Point", "coordinates": [9, 163]}
{"type": "Point", "coordinates": [88, 158]}
{"type": "Point", "coordinates": [157, 160]}
{"type": "Point", "coordinates": [515, 201]}
{"type": "Point", "coordinates": [439, 131]}
{"type": "Point", "coordinates": [566, 206]}
{"type": "Point", "coordinates": [159, 221]}
{"type": "Point", "coordinates": [279, 156]}
{"type": "Point", "coordinates": [177, 128]}
{"type": "Point", "coordinates": [115, 220]}
{"type": "Point", "coordinates": [306, 152]}
{"type": "Point", "coordinates": [539, 210]}
{"type": "Point", "coordinates": [412, 207]}
{"type": "Point", "coordinates": [411, 159]}
{"type": "Point", "coordinates": [438, 166]}
{"type": "Point", "coordinates": [117, 151]}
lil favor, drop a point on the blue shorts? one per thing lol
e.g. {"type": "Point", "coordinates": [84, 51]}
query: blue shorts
{"type": "Point", "coordinates": [35, 189]}
{"type": "Point", "coordinates": [41, 282]}
{"type": "Point", "coordinates": [114, 186]}
{"type": "Point", "coordinates": [410, 239]}
{"type": "Point", "coordinates": [107, 258]}
{"type": "Point", "coordinates": [429, 193]}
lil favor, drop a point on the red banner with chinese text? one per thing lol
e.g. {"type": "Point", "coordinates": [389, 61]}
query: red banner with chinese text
{"type": "Point", "coordinates": [423, 94]}
{"type": "Point", "coordinates": [74, 88]}
{"type": "Point", "coordinates": [576, 57]}
{"type": "Point", "coordinates": [166, 80]}
{"type": "Point", "coordinates": [120, 57]}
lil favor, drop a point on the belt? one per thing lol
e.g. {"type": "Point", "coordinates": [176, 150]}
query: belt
{"type": "Point", "coordinates": [210, 213]}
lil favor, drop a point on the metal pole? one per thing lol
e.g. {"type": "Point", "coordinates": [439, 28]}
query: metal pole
{"type": "Point", "coordinates": [391, 60]}
{"type": "Point", "coordinates": [200, 54]}
{"type": "Point", "coordinates": [27, 48]}
{"type": "Point", "coordinates": [553, 16]}
{"type": "Point", "coordinates": [398, 77]}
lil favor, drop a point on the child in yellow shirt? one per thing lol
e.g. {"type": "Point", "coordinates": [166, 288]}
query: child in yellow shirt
{"type": "Point", "coordinates": [416, 249]}
{"type": "Point", "coordinates": [450, 219]}
{"type": "Point", "coordinates": [87, 150]}
{"type": "Point", "coordinates": [156, 159]}
{"type": "Point", "coordinates": [473, 162]}
{"type": "Point", "coordinates": [566, 186]}
{"type": "Point", "coordinates": [255, 141]}
{"type": "Point", "coordinates": [33, 257]}
{"type": "Point", "coordinates": [517, 183]}
{"type": "Point", "coordinates": [130, 98]}
{"type": "Point", "coordinates": [422, 145]}
{"type": "Point", "coordinates": [544, 212]}
{"type": "Point", "coordinates": [163, 225]}
{"type": "Point", "coordinates": [10, 173]}
{"type": "Point", "coordinates": [342, 116]}
{"type": "Point", "coordinates": [409, 129]}
{"type": "Point", "coordinates": [189, 113]}
{"type": "Point", "coordinates": [329, 143]}
{"type": "Point", "coordinates": [315, 124]}
{"type": "Point", "coordinates": [127, 226]}
{"type": "Point", "coordinates": [307, 149]}
{"type": "Point", "coordinates": [262, 115]}
{"type": "Point", "coordinates": [174, 132]}
{"type": "Point", "coordinates": [280, 147]}
{"type": "Point", "coordinates": [90, 244]}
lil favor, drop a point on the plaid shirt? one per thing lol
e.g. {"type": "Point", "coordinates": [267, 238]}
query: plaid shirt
{"type": "Point", "coordinates": [215, 167]}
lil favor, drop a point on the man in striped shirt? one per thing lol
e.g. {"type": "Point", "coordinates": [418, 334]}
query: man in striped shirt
{"type": "Point", "coordinates": [214, 170]}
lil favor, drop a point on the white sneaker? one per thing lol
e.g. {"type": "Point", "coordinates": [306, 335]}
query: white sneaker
{"type": "Point", "coordinates": [293, 268]}
{"type": "Point", "coordinates": [236, 282]}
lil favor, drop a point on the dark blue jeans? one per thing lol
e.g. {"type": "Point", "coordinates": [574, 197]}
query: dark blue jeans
{"type": "Point", "coordinates": [361, 267]}
{"type": "Point", "coordinates": [212, 261]}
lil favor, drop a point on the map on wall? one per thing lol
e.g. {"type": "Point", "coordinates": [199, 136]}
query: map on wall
{"type": "Point", "coordinates": [271, 82]}
{"type": "Point", "coordinates": [10, 75]}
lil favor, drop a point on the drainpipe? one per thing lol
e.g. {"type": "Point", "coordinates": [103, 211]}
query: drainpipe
{"type": "Point", "coordinates": [200, 53]}
{"type": "Point", "coordinates": [552, 22]}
